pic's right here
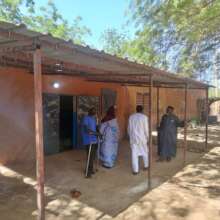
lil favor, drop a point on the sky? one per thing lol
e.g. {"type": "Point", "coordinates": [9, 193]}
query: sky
{"type": "Point", "coordinates": [97, 15]}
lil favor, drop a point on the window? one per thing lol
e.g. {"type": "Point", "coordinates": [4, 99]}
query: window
{"type": "Point", "coordinates": [143, 99]}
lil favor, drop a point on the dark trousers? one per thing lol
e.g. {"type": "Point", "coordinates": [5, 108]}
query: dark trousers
{"type": "Point", "coordinates": [92, 157]}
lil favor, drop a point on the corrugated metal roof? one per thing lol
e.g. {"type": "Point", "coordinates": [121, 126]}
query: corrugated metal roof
{"type": "Point", "coordinates": [110, 67]}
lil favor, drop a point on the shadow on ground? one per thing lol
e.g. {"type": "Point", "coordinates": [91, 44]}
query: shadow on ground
{"type": "Point", "coordinates": [110, 192]}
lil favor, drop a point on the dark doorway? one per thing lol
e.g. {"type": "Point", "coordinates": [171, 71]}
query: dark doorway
{"type": "Point", "coordinates": [62, 121]}
{"type": "Point", "coordinates": [66, 123]}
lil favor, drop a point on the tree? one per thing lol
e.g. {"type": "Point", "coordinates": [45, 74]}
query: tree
{"type": "Point", "coordinates": [183, 33]}
{"type": "Point", "coordinates": [10, 9]}
{"type": "Point", "coordinates": [118, 43]}
{"type": "Point", "coordinates": [114, 42]}
{"type": "Point", "coordinates": [45, 20]}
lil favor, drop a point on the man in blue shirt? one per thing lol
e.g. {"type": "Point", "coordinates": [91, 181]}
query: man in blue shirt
{"type": "Point", "coordinates": [89, 137]}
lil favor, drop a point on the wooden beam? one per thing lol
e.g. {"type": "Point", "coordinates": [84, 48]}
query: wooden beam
{"type": "Point", "coordinates": [14, 58]}
{"type": "Point", "coordinates": [207, 118]}
{"type": "Point", "coordinates": [122, 81]}
{"type": "Point", "coordinates": [47, 69]}
{"type": "Point", "coordinates": [17, 47]}
{"type": "Point", "coordinates": [73, 70]}
{"type": "Point", "coordinates": [165, 87]}
{"type": "Point", "coordinates": [39, 134]}
{"type": "Point", "coordinates": [150, 152]}
{"type": "Point", "coordinates": [69, 48]}
{"type": "Point", "coordinates": [140, 83]}
{"type": "Point", "coordinates": [185, 123]}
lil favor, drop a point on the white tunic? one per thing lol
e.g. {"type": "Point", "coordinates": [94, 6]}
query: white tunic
{"type": "Point", "coordinates": [138, 133]}
{"type": "Point", "coordinates": [138, 129]}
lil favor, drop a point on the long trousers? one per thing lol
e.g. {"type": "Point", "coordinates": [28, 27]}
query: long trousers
{"type": "Point", "coordinates": [135, 161]}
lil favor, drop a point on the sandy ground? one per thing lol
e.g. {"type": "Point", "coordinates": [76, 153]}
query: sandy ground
{"type": "Point", "coordinates": [190, 193]}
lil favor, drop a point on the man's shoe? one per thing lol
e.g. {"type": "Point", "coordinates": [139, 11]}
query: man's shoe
{"type": "Point", "coordinates": [135, 173]}
{"type": "Point", "coordinates": [145, 168]}
{"type": "Point", "coordinates": [106, 167]}
{"type": "Point", "coordinates": [89, 176]}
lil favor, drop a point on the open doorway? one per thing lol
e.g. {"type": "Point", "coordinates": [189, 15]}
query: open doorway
{"type": "Point", "coordinates": [66, 123]}
{"type": "Point", "coordinates": [62, 118]}
{"type": "Point", "coordinates": [60, 123]}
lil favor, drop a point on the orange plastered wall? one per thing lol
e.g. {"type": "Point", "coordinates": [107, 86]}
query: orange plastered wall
{"type": "Point", "coordinates": [16, 116]}
{"type": "Point", "coordinates": [17, 137]}
{"type": "Point", "coordinates": [173, 97]}
{"type": "Point", "coordinates": [176, 98]}
{"type": "Point", "coordinates": [132, 91]}
{"type": "Point", "coordinates": [78, 86]}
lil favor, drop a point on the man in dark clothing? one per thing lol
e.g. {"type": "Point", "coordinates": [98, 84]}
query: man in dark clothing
{"type": "Point", "coordinates": [89, 138]}
{"type": "Point", "coordinates": [167, 136]}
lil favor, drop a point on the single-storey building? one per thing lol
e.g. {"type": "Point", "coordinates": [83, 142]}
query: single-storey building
{"type": "Point", "coordinates": [74, 79]}
{"type": "Point", "coordinates": [48, 84]}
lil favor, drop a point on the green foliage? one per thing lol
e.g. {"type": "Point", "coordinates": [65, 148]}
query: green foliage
{"type": "Point", "coordinates": [114, 42]}
{"type": "Point", "coordinates": [182, 33]}
{"type": "Point", "coordinates": [177, 35]}
{"type": "Point", "coordinates": [47, 19]}
{"type": "Point", "coordinates": [213, 93]}
{"type": "Point", "coordinates": [118, 43]}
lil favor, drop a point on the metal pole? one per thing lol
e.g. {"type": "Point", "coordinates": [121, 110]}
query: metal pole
{"type": "Point", "coordinates": [158, 106]}
{"type": "Point", "coordinates": [88, 160]}
{"type": "Point", "coordinates": [150, 131]}
{"type": "Point", "coordinates": [39, 133]}
{"type": "Point", "coordinates": [185, 125]}
{"type": "Point", "coordinates": [207, 117]}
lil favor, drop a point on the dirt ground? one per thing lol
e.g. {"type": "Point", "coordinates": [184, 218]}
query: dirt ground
{"type": "Point", "coordinates": [177, 193]}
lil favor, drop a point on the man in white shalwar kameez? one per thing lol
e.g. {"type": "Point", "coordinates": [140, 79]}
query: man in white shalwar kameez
{"type": "Point", "coordinates": [138, 132]}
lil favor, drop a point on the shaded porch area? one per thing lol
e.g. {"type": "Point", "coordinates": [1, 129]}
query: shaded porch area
{"type": "Point", "coordinates": [104, 196]}
{"type": "Point", "coordinates": [44, 55]}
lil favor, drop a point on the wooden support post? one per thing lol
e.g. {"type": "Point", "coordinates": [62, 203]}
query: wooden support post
{"type": "Point", "coordinates": [39, 133]}
{"type": "Point", "coordinates": [207, 117]}
{"type": "Point", "coordinates": [185, 124]}
{"type": "Point", "coordinates": [150, 154]}
{"type": "Point", "coordinates": [158, 106]}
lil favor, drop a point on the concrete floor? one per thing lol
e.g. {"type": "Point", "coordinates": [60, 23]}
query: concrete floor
{"type": "Point", "coordinates": [110, 194]}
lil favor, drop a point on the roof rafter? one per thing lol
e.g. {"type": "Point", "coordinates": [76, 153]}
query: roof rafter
{"type": "Point", "coordinates": [76, 59]}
